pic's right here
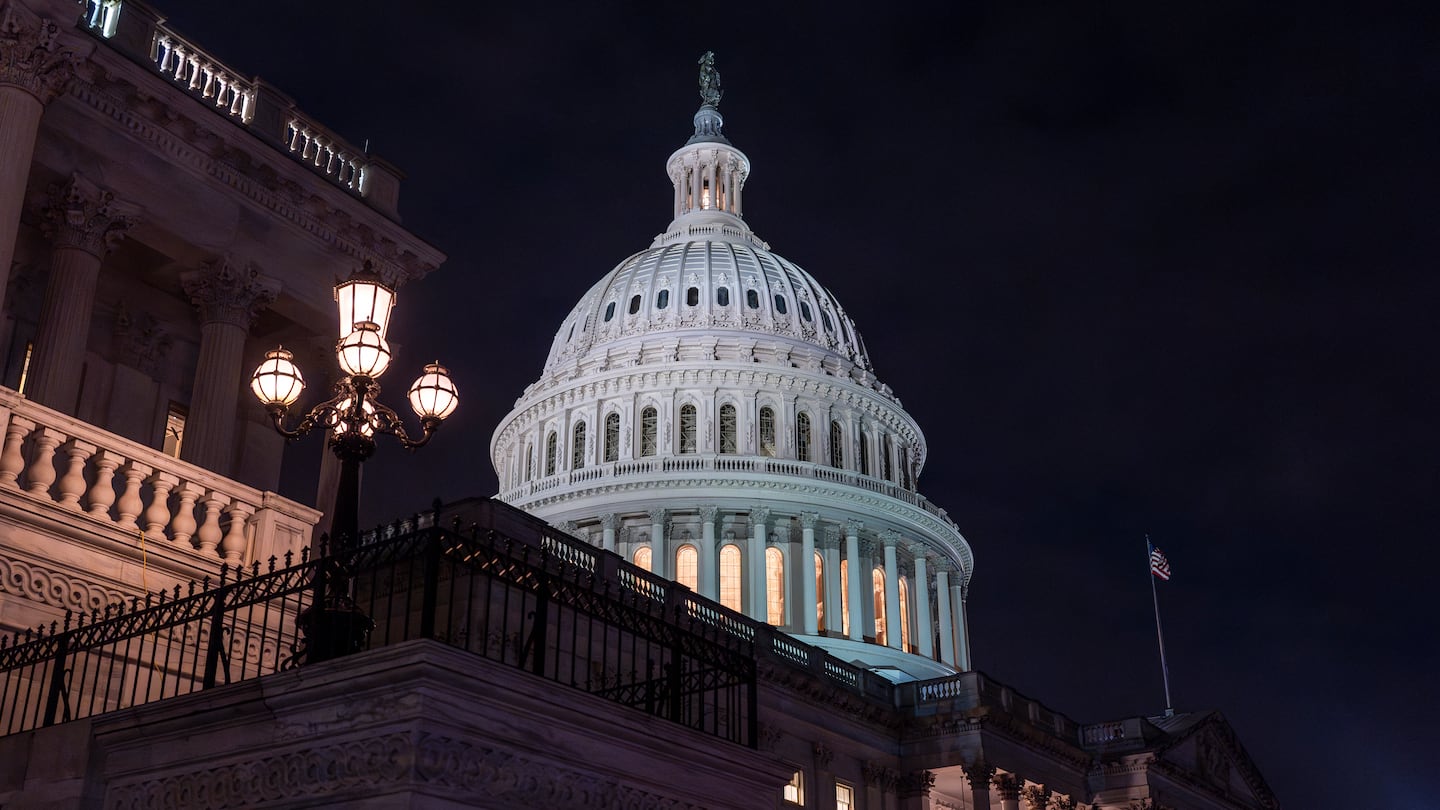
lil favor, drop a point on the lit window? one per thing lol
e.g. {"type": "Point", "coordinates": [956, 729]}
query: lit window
{"type": "Point", "coordinates": [634, 304]}
{"type": "Point", "coordinates": [687, 428]}
{"type": "Point", "coordinates": [609, 311]}
{"type": "Point", "coordinates": [551, 445]}
{"type": "Point", "coordinates": [662, 299]}
{"type": "Point", "coordinates": [794, 792]}
{"type": "Point", "coordinates": [774, 586]}
{"type": "Point", "coordinates": [780, 304]}
{"type": "Point", "coordinates": [687, 567]}
{"type": "Point", "coordinates": [25, 366]}
{"type": "Point", "coordinates": [802, 436]}
{"type": "Point", "coordinates": [722, 296]}
{"type": "Point", "coordinates": [864, 453]}
{"type": "Point", "coordinates": [885, 470]}
{"type": "Point", "coordinates": [877, 580]}
{"type": "Point", "coordinates": [692, 297]}
{"type": "Point", "coordinates": [730, 577]}
{"type": "Point", "coordinates": [837, 445]}
{"type": "Point", "coordinates": [752, 299]}
{"type": "Point", "coordinates": [612, 437]}
{"type": "Point", "coordinates": [844, 797]}
{"type": "Point", "coordinates": [577, 447]}
{"type": "Point", "coordinates": [642, 557]}
{"type": "Point", "coordinates": [767, 432]}
{"type": "Point", "coordinates": [904, 613]}
{"type": "Point", "coordinates": [647, 432]}
{"type": "Point", "coordinates": [819, 592]}
{"type": "Point", "coordinates": [727, 429]}
{"type": "Point", "coordinates": [845, 597]}
{"type": "Point", "coordinates": [174, 428]}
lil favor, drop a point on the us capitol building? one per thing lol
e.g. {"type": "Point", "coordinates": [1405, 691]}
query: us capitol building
{"type": "Point", "coordinates": [709, 581]}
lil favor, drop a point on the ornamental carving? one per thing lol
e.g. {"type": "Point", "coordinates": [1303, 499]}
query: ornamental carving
{"type": "Point", "coordinates": [53, 588]}
{"type": "Point", "coordinates": [85, 217]}
{"type": "Point", "coordinates": [140, 341]}
{"type": "Point", "coordinates": [610, 521]}
{"type": "Point", "coordinates": [709, 513]}
{"type": "Point", "coordinates": [759, 515]}
{"type": "Point", "coordinates": [881, 777]}
{"type": "Point", "coordinates": [853, 527]}
{"type": "Point", "coordinates": [809, 519]}
{"type": "Point", "coordinates": [979, 773]}
{"type": "Point", "coordinates": [824, 755]}
{"type": "Point", "coordinates": [1008, 786]}
{"type": "Point", "coordinates": [30, 54]}
{"type": "Point", "coordinates": [1037, 797]}
{"type": "Point", "coordinates": [916, 783]}
{"type": "Point", "coordinates": [890, 538]}
{"type": "Point", "coordinates": [225, 292]}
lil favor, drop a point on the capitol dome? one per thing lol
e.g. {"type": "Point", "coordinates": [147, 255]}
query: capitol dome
{"type": "Point", "coordinates": [708, 411]}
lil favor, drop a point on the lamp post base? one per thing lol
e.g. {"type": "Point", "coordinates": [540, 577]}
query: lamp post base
{"type": "Point", "coordinates": [332, 629]}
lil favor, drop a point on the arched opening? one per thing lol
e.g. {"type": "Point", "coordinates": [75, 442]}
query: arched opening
{"type": "Point", "coordinates": [730, 587]}
{"type": "Point", "coordinates": [687, 567]}
{"type": "Point", "coordinates": [885, 467]}
{"type": "Point", "coordinates": [552, 443]}
{"type": "Point", "coordinates": [687, 428]}
{"type": "Point", "coordinates": [728, 430]}
{"type": "Point", "coordinates": [612, 437]}
{"type": "Point", "coordinates": [837, 445]}
{"type": "Point", "coordinates": [577, 446]}
{"type": "Point", "coordinates": [648, 422]}
{"type": "Point", "coordinates": [802, 436]}
{"type": "Point", "coordinates": [641, 557]}
{"type": "Point", "coordinates": [819, 592]}
{"type": "Point", "coordinates": [905, 613]}
{"type": "Point", "coordinates": [767, 432]}
{"type": "Point", "coordinates": [774, 586]}
{"type": "Point", "coordinates": [877, 580]}
{"type": "Point", "coordinates": [845, 597]}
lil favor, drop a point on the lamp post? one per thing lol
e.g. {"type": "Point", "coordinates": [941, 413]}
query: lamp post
{"type": "Point", "coordinates": [334, 625]}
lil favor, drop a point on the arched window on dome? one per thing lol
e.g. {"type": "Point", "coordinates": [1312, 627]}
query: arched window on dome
{"type": "Point", "coordinates": [802, 436]}
{"type": "Point", "coordinates": [687, 567]}
{"type": "Point", "coordinates": [529, 462]}
{"type": "Point", "coordinates": [824, 318]}
{"type": "Point", "coordinates": [692, 297]}
{"type": "Point", "coordinates": [767, 431]}
{"type": "Point", "coordinates": [570, 336]}
{"type": "Point", "coordinates": [774, 586]}
{"type": "Point", "coordinates": [905, 614]}
{"type": "Point", "coordinates": [609, 311]}
{"type": "Point", "coordinates": [634, 304]}
{"type": "Point", "coordinates": [728, 430]}
{"type": "Point", "coordinates": [642, 557]}
{"type": "Point", "coordinates": [687, 428]}
{"type": "Point", "coordinates": [805, 312]}
{"type": "Point", "coordinates": [662, 299]}
{"type": "Point", "coordinates": [577, 447]}
{"type": "Point", "coordinates": [552, 443]}
{"type": "Point", "coordinates": [612, 437]}
{"type": "Point", "coordinates": [648, 422]}
{"type": "Point", "coordinates": [886, 471]}
{"type": "Point", "coordinates": [752, 299]}
{"type": "Point", "coordinates": [837, 444]}
{"type": "Point", "coordinates": [845, 597]}
{"type": "Point", "coordinates": [877, 588]}
{"type": "Point", "coordinates": [780, 304]}
{"type": "Point", "coordinates": [864, 453]}
{"type": "Point", "coordinates": [730, 587]}
{"type": "Point", "coordinates": [819, 592]}
{"type": "Point", "coordinates": [722, 296]}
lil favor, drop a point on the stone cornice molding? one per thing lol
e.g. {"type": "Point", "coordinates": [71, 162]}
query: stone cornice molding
{"type": "Point", "coordinates": [80, 215]}
{"type": "Point", "coordinates": [31, 56]}
{"type": "Point", "coordinates": [223, 291]}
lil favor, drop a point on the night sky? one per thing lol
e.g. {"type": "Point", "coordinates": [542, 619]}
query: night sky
{"type": "Point", "coordinates": [1134, 268]}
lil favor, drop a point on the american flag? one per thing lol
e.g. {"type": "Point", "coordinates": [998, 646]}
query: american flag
{"type": "Point", "coordinates": [1159, 566]}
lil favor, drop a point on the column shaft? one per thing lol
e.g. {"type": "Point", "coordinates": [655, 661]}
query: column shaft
{"type": "Point", "coordinates": [19, 121]}
{"type": "Point", "coordinates": [658, 559]}
{"type": "Point", "coordinates": [834, 617]}
{"type": "Point", "coordinates": [893, 633]}
{"type": "Point", "coordinates": [922, 605]}
{"type": "Point", "coordinates": [709, 561]}
{"type": "Point", "coordinates": [962, 629]}
{"type": "Point", "coordinates": [759, 606]}
{"type": "Point", "coordinates": [810, 624]}
{"type": "Point", "coordinates": [64, 328]}
{"type": "Point", "coordinates": [210, 429]}
{"type": "Point", "coordinates": [947, 627]}
{"type": "Point", "coordinates": [857, 595]}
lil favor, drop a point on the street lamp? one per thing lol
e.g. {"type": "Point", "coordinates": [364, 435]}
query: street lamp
{"type": "Point", "coordinates": [334, 626]}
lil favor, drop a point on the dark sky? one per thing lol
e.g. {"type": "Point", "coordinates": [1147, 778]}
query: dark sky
{"type": "Point", "coordinates": [1134, 267]}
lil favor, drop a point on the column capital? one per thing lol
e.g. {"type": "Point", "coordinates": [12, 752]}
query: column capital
{"type": "Point", "coordinates": [709, 513]}
{"type": "Point", "coordinates": [658, 514]}
{"type": "Point", "coordinates": [890, 538]}
{"type": "Point", "coordinates": [1008, 786]}
{"type": "Point", "coordinates": [81, 215]}
{"type": "Point", "coordinates": [30, 54]}
{"type": "Point", "coordinates": [809, 519]}
{"type": "Point", "coordinates": [1061, 802]}
{"type": "Point", "coordinates": [610, 521]}
{"type": "Point", "coordinates": [567, 526]}
{"type": "Point", "coordinates": [867, 547]}
{"type": "Point", "coordinates": [831, 538]}
{"type": "Point", "coordinates": [916, 783]}
{"type": "Point", "coordinates": [853, 527]}
{"type": "Point", "coordinates": [759, 515]}
{"type": "Point", "coordinates": [919, 551]}
{"type": "Point", "coordinates": [1037, 797]}
{"type": "Point", "coordinates": [979, 773]}
{"type": "Point", "coordinates": [225, 291]}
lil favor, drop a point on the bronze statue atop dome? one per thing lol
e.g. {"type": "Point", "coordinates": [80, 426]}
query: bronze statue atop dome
{"type": "Point", "coordinates": [710, 91]}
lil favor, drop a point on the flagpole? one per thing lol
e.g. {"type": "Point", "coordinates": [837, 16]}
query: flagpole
{"type": "Point", "coordinates": [1159, 635]}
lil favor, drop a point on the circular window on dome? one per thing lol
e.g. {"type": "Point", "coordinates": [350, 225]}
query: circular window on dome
{"type": "Point", "coordinates": [805, 311]}
{"type": "Point", "coordinates": [780, 304]}
{"type": "Point", "coordinates": [634, 305]}
{"type": "Point", "coordinates": [609, 311]}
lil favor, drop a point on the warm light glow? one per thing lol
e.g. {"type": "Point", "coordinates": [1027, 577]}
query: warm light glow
{"type": "Point", "coordinates": [364, 353]}
{"type": "Point", "coordinates": [277, 380]}
{"type": "Point", "coordinates": [364, 297]}
{"type": "Point", "coordinates": [433, 394]}
{"type": "Point", "coordinates": [339, 423]}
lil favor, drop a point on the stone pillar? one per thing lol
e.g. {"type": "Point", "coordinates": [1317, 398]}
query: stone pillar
{"type": "Point", "coordinates": [659, 563]}
{"type": "Point", "coordinates": [834, 616]}
{"type": "Point", "coordinates": [34, 69]}
{"type": "Point", "coordinates": [947, 624]}
{"type": "Point", "coordinates": [962, 626]}
{"type": "Point", "coordinates": [609, 522]}
{"type": "Point", "coordinates": [979, 774]}
{"type": "Point", "coordinates": [857, 595]}
{"type": "Point", "coordinates": [759, 606]}
{"type": "Point", "coordinates": [925, 636]}
{"type": "Point", "coordinates": [809, 621]}
{"type": "Point", "coordinates": [890, 538]}
{"type": "Point", "coordinates": [83, 222]}
{"type": "Point", "coordinates": [1007, 785]}
{"type": "Point", "coordinates": [913, 790]}
{"type": "Point", "coordinates": [227, 297]}
{"type": "Point", "coordinates": [709, 557]}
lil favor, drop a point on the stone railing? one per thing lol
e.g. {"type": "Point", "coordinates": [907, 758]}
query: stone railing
{"type": "Point", "coordinates": [973, 690]}
{"type": "Point", "coordinates": [80, 476]}
{"type": "Point", "coordinates": [203, 76]}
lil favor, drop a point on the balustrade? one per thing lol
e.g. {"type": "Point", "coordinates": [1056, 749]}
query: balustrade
{"type": "Point", "coordinates": [326, 152]}
{"type": "Point", "coordinates": [204, 77]}
{"type": "Point", "coordinates": [55, 461]}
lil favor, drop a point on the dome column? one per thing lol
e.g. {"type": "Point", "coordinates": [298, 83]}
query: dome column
{"type": "Point", "coordinates": [890, 539]}
{"type": "Point", "coordinates": [834, 608]}
{"type": "Point", "coordinates": [759, 605]}
{"type": "Point", "coordinates": [658, 560]}
{"type": "Point", "coordinates": [810, 624]}
{"type": "Point", "coordinates": [857, 595]}
{"type": "Point", "coordinates": [962, 629]}
{"type": "Point", "coordinates": [609, 522]}
{"type": "Point", "coordinates": [947, 625]}
{"type": "Point", "coordinates": [922, 601]}
{"type": "Point", "coordinates": [709, 567]}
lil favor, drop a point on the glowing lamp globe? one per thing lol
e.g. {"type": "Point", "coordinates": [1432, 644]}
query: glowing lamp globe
{"type": "Point", "coordinates": [364, 298]}
{"type": "Point", "coordinates": [433, 395]}
{"type": "Point", "coordinates": [277, 381]}
{"type": "Point", "coordinates": [364, 352]}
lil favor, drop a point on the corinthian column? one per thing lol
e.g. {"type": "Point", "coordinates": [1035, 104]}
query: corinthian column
{"type": "Point", "coordinates": [759, 605]}
{"type": "Point", "coordinates": [893, 634]}
{"type": "Point", "coordinates": [228, 298]}
{"type": "Point", "coordinates": [857, 595]}
{"type": "Point", "coordinates": [659, 562]}
{"type": "Point", "coordinates": [947, 626]}
{"type": "Point", "coordinates": [922, 600]}
{"type": "Point", "coordinates": [83, 223]}
{"type": "Point", "coordinates": [834, 607]}
{"type": "Point", "coordinates": [809, 619]}
{"type": "Point", "coordinates": [33, 71]}
{"type": "Point", "coordinates": [709, 568]}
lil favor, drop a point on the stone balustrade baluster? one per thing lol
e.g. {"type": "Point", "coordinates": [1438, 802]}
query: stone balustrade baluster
{"type": "Point", "coordinates": [102, 492]}
{"type": "Point", "coordinates": [182, 525]}
{"type": "Point", "coordinates": [72, 484]}
{"type": "Point", "coordinates": [209, 533]}
{"type": "Point", "coordinates": [40, 473]}
{"type": "Point", "coordinates": [130, 505]}
{"type": "Point", "coordinates": [12, 461]}
{"type": "Point", "coordinates": [232, 547]}
{"type": "Point", "coordinates": [157, 517]}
